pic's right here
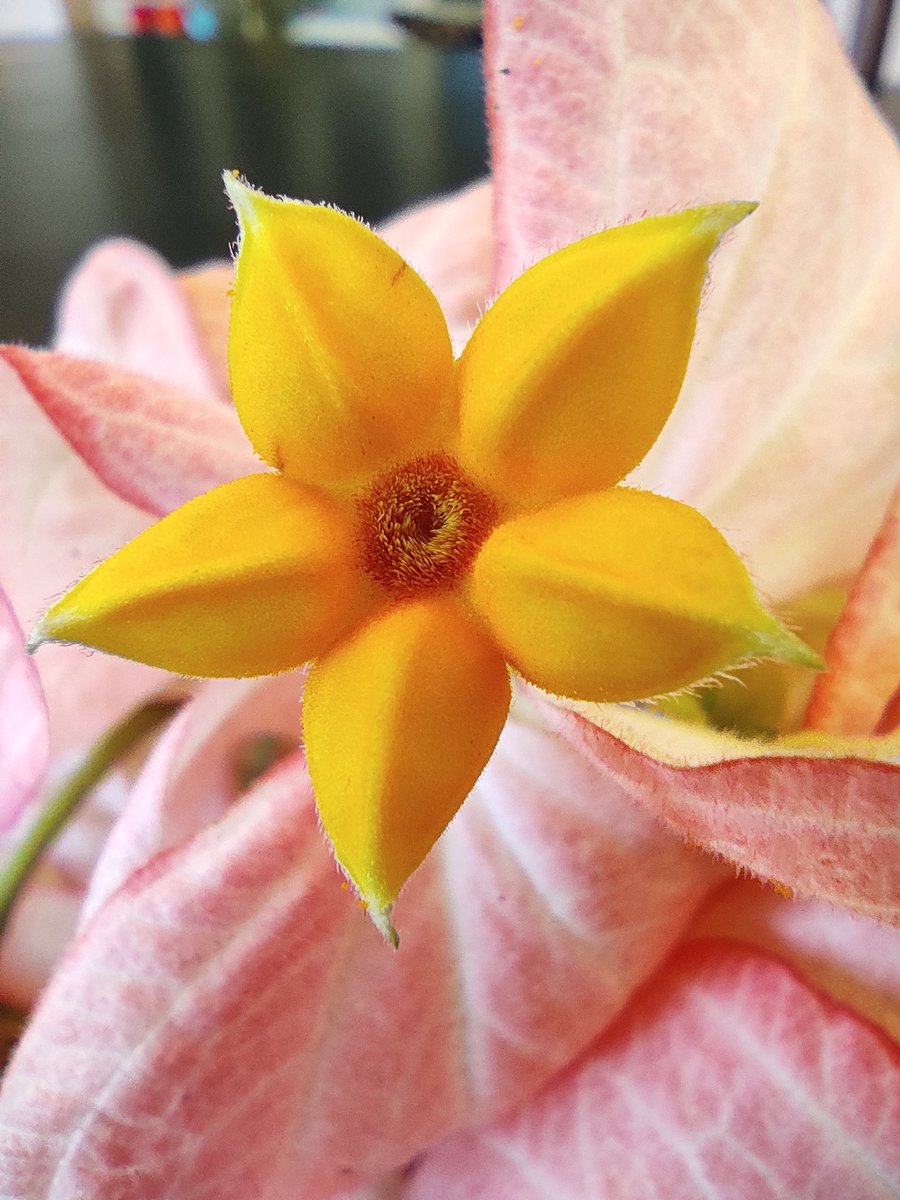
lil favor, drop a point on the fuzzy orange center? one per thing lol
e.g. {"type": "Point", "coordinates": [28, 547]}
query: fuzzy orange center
{"type": "Point", "coordinates": [421, 525]}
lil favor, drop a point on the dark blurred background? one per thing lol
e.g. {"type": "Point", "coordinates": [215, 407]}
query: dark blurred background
{"type": "Point", "coordinates": [103, 135]}
{"type": "Point", "coordinates": [118, 118]}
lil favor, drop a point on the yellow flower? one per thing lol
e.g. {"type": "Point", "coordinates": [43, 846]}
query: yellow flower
{"type": "Point", "coordinates": [429, 521]}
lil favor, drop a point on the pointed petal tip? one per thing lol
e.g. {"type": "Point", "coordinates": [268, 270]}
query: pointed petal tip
{"type": "Point", "coordinates": [719, 218]}
{"type": "Point", "coordinates": [380, 916]}
{"type": "Point", "coordinates": [55, 628]}
{"type": "Point", "coordinates": [614, 311]}
{"type": "Point", "coordinates": [243, 198]}
{"type": "Point", "coordinates": [780, 644]}
{"type": "Point", "coordinates": [36, 638]}
{"type": "Point", "coordinates": [261, 598]}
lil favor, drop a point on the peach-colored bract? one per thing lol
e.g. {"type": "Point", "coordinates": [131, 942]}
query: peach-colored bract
{"type": "Point", "coordinates": [635, 1117]}
{"type": "Point", "coordinates": [859, 692]}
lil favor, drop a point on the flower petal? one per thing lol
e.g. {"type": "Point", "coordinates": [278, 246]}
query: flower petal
{"type": "Point", "coordinates": [728, 1078]}
{"type": "Point", "coordinates": [152, 445]}
{"type": "Point", "coordinates": [621, 595]}
{"type": "Point", "coordinates": [252, 578]}
{"type": "Point", "coordinates": [340, 355]}
{"type": "Point", "coordinates": [570, 376]}
{"type": "Point", "coordinates": [399, 722]}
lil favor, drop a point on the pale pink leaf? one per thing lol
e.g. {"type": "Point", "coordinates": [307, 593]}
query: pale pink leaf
{"type": "Point", "coordinates": [24, 729]}
{"type": "Point", "coordinates": [787, 432]}
{"type": "Point", "coordinates": [728, 1079]}
{"type": "Point", "coordinates": [229, 1023]}
{"type": "Point", "coordinates": [450, 243]}
{"type": "Point", "coordinates": [863, 652]}
{"type": "Point", "coordinates": [807, 819]}
{"type": "Point", "coordinates": [58, 522]}
{"type": "Point", "coordinates": [123, 305]}
{"type": "Point", "coordinates": [854, 959]}
{"type": "Point", "coordinates": [152, 445]}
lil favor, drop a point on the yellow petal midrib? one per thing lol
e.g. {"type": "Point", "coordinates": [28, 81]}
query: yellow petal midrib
{"type": "Point", "coordinates": [617, 593]}
{"type": "Point", "coordinates": [264, 572]}
{"type": "Point", "coordinates": [529, 375]}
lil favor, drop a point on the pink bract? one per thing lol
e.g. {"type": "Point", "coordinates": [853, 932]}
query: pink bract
{"type": "Point", "coordinates": [727, 1078]}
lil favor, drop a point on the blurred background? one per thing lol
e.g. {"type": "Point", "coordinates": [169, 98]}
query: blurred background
{"type": "Point", "coordinates": [117, 118]}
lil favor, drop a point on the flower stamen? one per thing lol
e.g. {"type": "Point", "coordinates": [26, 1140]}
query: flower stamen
{"type": "Point", "coordinates": [421, 525]}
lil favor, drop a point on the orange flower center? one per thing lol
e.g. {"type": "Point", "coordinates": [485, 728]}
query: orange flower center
{"type": "Point", "coordinates": [421, 525]}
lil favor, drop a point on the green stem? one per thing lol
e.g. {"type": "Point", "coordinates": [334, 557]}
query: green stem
{"type": "Point", "coordinates": [104, 754]}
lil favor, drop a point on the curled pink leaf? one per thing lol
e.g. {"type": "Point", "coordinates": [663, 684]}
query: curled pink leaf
{"type": "Point", "coordinates": [58, 522]}
{"type": "Point", "coordinates": [815, 823]}
{"type": "Point", "coordinates": [152, 445]}
{"type": "Point", "coordinates": [193, 775]}
{"type": "Point", "coordinates": [854, 959]}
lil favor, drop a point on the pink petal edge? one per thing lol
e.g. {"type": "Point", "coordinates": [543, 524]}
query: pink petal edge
{"type": "Point", "coordinates": [819, 825]}
{"type": "Point", "coordinates": [150, 444]}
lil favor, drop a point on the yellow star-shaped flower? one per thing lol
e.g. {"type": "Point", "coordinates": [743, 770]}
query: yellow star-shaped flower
{"type": "Point", "coordinates": [429, 521]}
